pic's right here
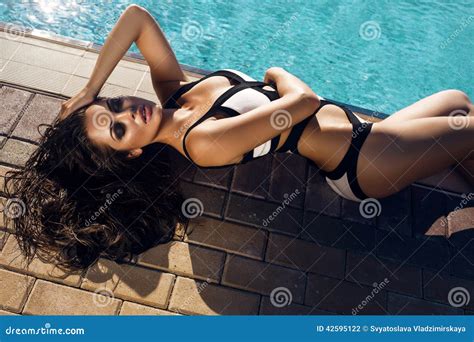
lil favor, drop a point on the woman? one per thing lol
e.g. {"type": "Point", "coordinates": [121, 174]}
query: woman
{"type": "Point", "coordinates": [99, 146]}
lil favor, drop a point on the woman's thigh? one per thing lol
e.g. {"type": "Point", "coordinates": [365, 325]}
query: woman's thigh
{"type": "Point", "coordinates": [395, 154]}
{"type": "Point", "coordinates": [442, 103]}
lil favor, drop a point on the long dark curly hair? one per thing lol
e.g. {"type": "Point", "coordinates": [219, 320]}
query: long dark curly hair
{"type": "Point", "coordinates": [79, 202]}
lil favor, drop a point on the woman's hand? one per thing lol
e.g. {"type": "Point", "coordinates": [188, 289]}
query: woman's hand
{"type": "Point", "coordinates": [287, 83]}
{"type": "Point", "coordinates": [81, 99]}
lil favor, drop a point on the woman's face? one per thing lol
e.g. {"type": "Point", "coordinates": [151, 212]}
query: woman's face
{"type": "Point", "coordinates": [123, 123]}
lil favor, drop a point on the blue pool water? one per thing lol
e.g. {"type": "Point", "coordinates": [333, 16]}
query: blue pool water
{"type": "Point", "coordinates": [381, 55]}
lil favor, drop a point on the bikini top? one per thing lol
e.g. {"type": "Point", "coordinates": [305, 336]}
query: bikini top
{"type": "Point", "coordinates": [244, 96]}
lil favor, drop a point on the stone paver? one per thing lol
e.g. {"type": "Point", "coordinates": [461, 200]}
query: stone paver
{"type": "Point", "coordinates": [227, 236]}
{"type": "Point", "coordinates": [268, 307]}
{"type": "Point", "coordinates": [13, 101]}
{"type": "Point", "coordinates": [12, 259]}
{"type": "Point", "coordinates": [185, 259]}
{"type": "Point", "coordinates": [15, 288]}
{"type": "Point", "coordinates": [404, 305]}
{"type": "Point", "coordinates": [344, 297]}
{"type": "Point", "coordinates": [53, 299]}
{"type": "Point", "coordinates": [305, 256]}
{"type": "Point", "coordinates": [133, 309]}
{"type": "Point", "coordinates": [16, 152]}
{"type": "Point", "coordinates": [196, 297]}
{"type": "Point", "coordinates": [261, 277]}
{"type": "Point", "coordinates": [48, 107]}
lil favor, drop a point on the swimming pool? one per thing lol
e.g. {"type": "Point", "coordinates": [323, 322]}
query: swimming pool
{"type": "Point", "coordinates": [381, 55]}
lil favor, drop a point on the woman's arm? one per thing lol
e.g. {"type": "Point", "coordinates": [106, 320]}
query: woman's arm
{"type": "Point", "coordinates": [220, 142]}
{"type": "Point", "coordinates": [134, 25]}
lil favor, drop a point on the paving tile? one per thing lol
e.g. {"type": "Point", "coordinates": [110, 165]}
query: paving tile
{"type": "Point", "coordinates": [74, 85]}
{"type": "Point", "coordinates": [12, 259]}
{"type": "Point", "coordinates": [338, 233]}
{"type": "Point", "coordinates": [270, 306]}
{"type": "Point", "coordinates": [344, 297]}
{"type": "Point", "coordinates": [34, 77]}
{"type": "Point", "coordinates": [462, 258]}
{"type": "Point", "coordinates": [437, 287]}
{"type": "Point", "coordinates": [147, 85]}
{"type": "Point", "coordinates": [4, 225]}
{"type": "Point", "coordinates": [103, 275]}
{"type": "Point", "coordinates": [42, 110]}
{"type": "Point", "coordinates": [34, 42]}
{"type": "Point", "coordinates": [404, 305]}
{"type": "Point", "coordinates": [185, 170]}
{"type": "Point", "coordinates": [319, 195]}
{"type": "Point", "coordinates": [3, 171]}
{"type": "Point", "coordinates": [148, 96]}
{"type": "Point", "coordinates": [288, 175]}
{"type": "Point", "coordinates": [15, 288]}
{"type": "Point", "coordinates": [124, 77]}
{"type": "Point", "coordinates": [46, 58]}
{"type": "Point", "coordinates": [112, 90]}
{"type": "Point", "coordinates": [7, 313]}
{"type": "Point", "coordinates": [227, 236]}
{"type": "Point", "coordinates": [396, 212]}
{"type": "Point", "coordinates": [251, 183]}
{"type": "Point", "coordinates": [133, 309]}
{"type": "Point", "coordinates": [13, 101]}
{"type": "Point", "coordinates": [433, 253]}
{"type": "Point", "coordinates": [196, 297]}
{"type": "Point", "coordinates": [427, 206]}
{"type": "Point", "coordinates": [9, 48]}
{"type": "Point", "coordinates": [214, 177]}
{"type": "Point", "coordinates": [212, 200]}
{"type": "Point", "coordinates": [368, 269]}
{"type": "Point", "coordinates": [48, 298]}
{"type": "Point", "coordinates": [122, 63]}
{"type": "Point", "coordinates": [262, 277]}
{"type": "Point", "coordinates": [144, 286]}
{"type": "Point", "coordinates": [305, 256]}
{"type": "Point", "coordinates": [263, 214]}
{"type": "Point", "coordinates": [16, 152]}
{"type": "Point", "coordinates": [353, 211]}
{"type": "Point", "coordinates": [3, 239]}
{"type": "Point", "coordinates": [184, 259]}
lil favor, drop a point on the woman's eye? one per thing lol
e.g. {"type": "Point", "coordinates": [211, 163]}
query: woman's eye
{"type": "Point", "coordinates": [116, 104]}
{"type": "Point", "coordinates": [119, 130]}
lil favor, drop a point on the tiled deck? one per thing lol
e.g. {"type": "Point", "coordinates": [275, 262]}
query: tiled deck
{"type": "Point", "coordinates": [320, 248]}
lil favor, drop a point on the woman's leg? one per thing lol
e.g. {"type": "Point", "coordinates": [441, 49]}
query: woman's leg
{"type": "Point", "coordinates": [444, 103]}
{"type": "Point", "coordinates": [396, 154]}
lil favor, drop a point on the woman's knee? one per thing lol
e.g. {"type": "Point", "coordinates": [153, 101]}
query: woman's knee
{"type": "Point", "coordinates": [459, 99]}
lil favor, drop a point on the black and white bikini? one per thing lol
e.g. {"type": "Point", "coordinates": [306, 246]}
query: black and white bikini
{"type": "Point", "coordinates": [247, 94]}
